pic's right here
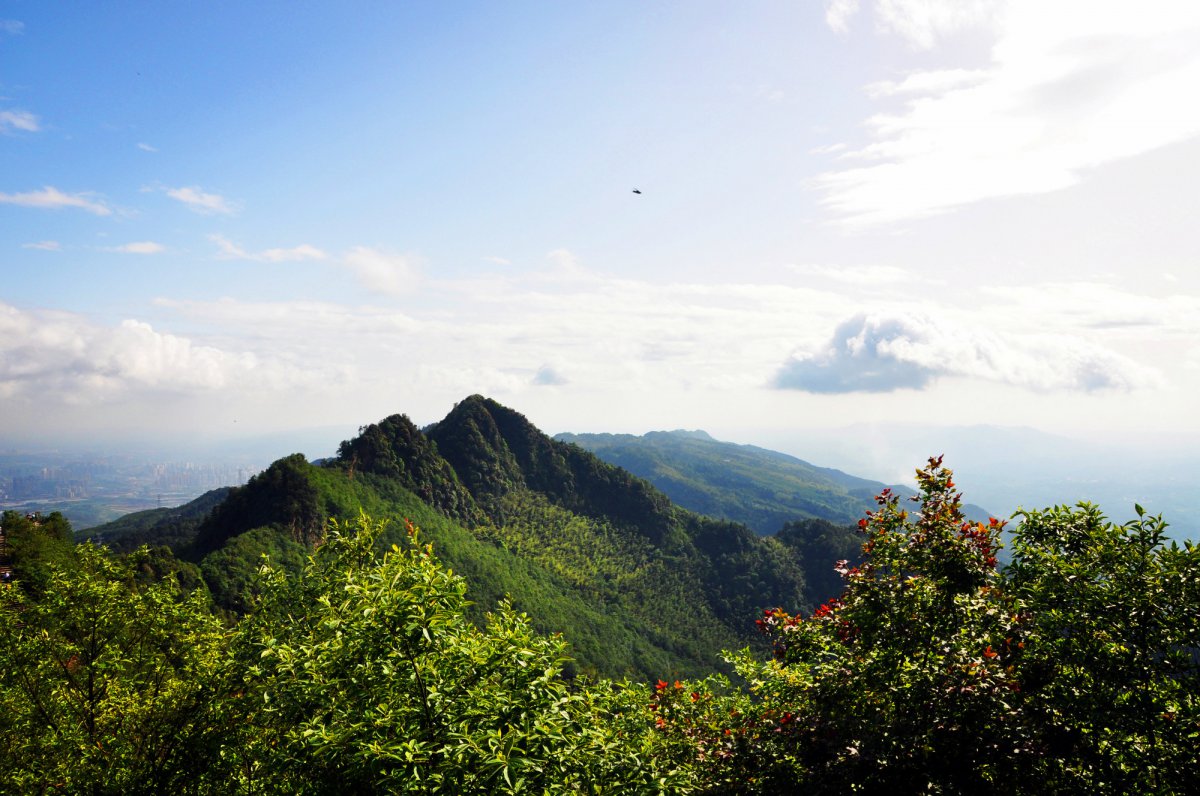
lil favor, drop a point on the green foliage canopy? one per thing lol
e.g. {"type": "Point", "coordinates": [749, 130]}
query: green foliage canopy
{"type": "Point", "coordinates": [1075, 670]}
{"type": "Point", "coordinates": [105, 683]}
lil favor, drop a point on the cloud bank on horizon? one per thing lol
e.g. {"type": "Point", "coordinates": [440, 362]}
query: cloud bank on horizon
{"type": "Point", "coordinates": [946, 212]}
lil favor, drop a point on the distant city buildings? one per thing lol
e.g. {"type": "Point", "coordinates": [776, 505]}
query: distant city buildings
{"type": "Point", "coordinates": [93, 488]}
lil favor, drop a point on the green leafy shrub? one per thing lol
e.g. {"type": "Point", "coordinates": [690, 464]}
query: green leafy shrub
{"type": "Point", "coordinates": [106, 683]}
{"type": "Point", "coordinates": [363, 674]}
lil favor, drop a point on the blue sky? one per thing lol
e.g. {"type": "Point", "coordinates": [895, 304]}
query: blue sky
{"type": "Point", "coordinates": [227, 216]}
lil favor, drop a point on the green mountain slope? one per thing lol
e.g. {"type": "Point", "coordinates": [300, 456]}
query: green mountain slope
{"type": "Point", "coordinates": [760, 488]}
{"type": "Point", "coordinates": [636, 584]}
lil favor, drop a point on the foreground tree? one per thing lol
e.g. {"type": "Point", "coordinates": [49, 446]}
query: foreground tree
{"type": "Point", "coordinates": [1073, 671]}
{"type": "Point", "coordinates": [105, 683]}
{"type": "Point", "coordinates": [906, 682]}
{"type": "Point", "coordinates": [1113, 682]}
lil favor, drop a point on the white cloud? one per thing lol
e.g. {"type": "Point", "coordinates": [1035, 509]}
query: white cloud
{"type": "Point", "coordinates": [52, 199]}
{"type": "Point", "coordinates": [43, 245]}
{"type": "Point", "coordinates": [838, 14]}
{"type": "Point", "coordinates": [497, 260]}
{"type": "Point", "coordinates": [201, 201]}
{"type": "Point", "coordinates": [12, 27]}
{"type": "Point", "coordinates": [140, 247]}
{"type": "Point", "coordinates": [18, 120]}
{"type": "Point", "coordinates": [922, 22]}
{"type": "Point", "coordinates": [565, 262]}
{"type": "Point", "coordinates": [888, 351]}
{"type": "Point", "coordinates": [919, 22]}
{"type": "Point", "coordinates": [829, 149]}
{"type": "Point", "coordinates": [62, 356]}
{"type": "Point", "coordinates": [931, 82]}
{"type": "Point", "coordinates": [146, 147]}
{"type": "Point", "coordinates": [1069, 86]}
{"type": "Point", "coordinates": [231, 251]}
{"type": "Point", "coordinates": [380, 272]}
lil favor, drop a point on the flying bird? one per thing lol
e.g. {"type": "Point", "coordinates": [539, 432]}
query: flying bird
{"type": "Point", "coordinates": [635, 190]}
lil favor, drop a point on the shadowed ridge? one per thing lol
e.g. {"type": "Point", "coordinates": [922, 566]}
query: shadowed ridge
{"type": "Point", "coordinates": [395, 448]}
{"type": "Point", "coordinates": [496, 450]}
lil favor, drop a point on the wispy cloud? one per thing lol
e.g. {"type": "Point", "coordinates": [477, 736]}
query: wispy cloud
{"type": "Point", "coordinates": [1069, 86]}
{"type": "Point", "coordinates": [146, 147]}
{"type": "Point", "coordinates": [565, 262]}
{"type": "Point", "coordinates": [862, 275]}
{"type": "Point", "coordinates": [140, 247]}
{"type": "Point", "coordinates": [923, 22]}
{"type": "Point", "coordinates": [43, 245]}
{"type": "Point", "coordinates": [52, 199]}
{"type": "Point", "coordinates": [280, 319]}
{"type": "Point", "coordinates": [891, 351]}
{"type": "Point", "coordinates": [24, 121]}
{"type": "Point", "coordinates": [381, 272]}
{"type": "Point", "coordinates": [1073, 306]}
{"type": "Point", "coordinates": [229, 250]}
{"type": "Point", "coordinates": [838, 14]}
{"type": "Point", "coordinates": [201, 201]}
{"type": "Point", "coordinates": [12, 27]}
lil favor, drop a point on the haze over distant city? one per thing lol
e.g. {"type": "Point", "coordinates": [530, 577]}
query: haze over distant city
{"type": "Point", "coordinates": [767, 221]}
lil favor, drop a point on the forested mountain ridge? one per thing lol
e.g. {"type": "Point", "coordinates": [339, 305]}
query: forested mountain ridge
{"type": "Point", "coordinates": [760, 488]}
{"type": "Point", "coordinates": [635, 583]}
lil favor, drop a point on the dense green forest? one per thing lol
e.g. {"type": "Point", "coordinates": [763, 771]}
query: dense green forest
{"type": "Point", "coordinates": [476, 608]}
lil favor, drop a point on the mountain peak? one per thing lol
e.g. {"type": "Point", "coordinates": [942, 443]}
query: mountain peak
{"type": "Point", "coordinates": [496, 450]}
{"type": "Point", "coordinates": [395, 448]}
